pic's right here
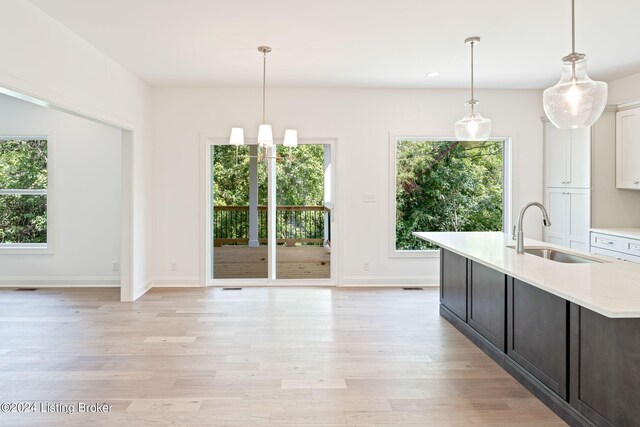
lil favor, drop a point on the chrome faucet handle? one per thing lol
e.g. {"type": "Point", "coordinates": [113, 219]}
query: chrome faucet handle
{"type": "Point", "coordinates": [513, 236]}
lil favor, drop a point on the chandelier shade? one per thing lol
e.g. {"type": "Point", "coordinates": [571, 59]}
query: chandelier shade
{"type": "Point", "coordinates": [265, 136]}
{"type": "Point", "coordinates": [290, 138]}
{"type": "Point", "coordinates": [237, 136]}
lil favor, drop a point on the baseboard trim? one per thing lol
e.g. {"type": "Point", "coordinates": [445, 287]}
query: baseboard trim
{"type": "Point", "coordinates": [388, 285]}
{"type": "Point", "coordinates": [390, 281]}
{"type": "Point", "coordinates": [147, 288]}
{"type": "Point", "coordinates": [559, 406]}
{"type": "Point", "coordinates": [60, 282]}
{"type": "Point", "coordinates": [176, 282]}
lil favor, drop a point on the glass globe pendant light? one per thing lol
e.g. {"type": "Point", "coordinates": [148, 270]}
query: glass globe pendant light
{"type": "Point", "coordinates": [472, 127]}
{"type": "Point", "coordinates": [575, 101]}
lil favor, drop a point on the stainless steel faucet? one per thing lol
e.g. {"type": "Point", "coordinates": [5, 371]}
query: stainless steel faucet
{"type": "Point", "coordinates": [518, 235]}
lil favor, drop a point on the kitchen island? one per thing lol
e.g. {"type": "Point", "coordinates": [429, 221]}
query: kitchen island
{"type": "Point", "coordinates": [568, 332]}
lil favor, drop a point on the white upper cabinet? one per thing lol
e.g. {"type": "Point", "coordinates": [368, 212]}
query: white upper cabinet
{"type": "Point", "coordinates": [556, 149]}
{"type": "Point", "coordinates": [568, 157]}
{"type": "Point", "coordinates": [628, 149]}
{"type": "Point", "coordinates": [579, 174]}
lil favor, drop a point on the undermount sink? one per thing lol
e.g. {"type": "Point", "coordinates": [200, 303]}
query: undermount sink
{"type": "Point", "coordinates": [559, 256]}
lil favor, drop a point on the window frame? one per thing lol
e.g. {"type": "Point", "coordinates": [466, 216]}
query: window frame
{"type": "Point", "coordinates": [394, 137]}
{"type": "Point", "coordinates": [34, 248]}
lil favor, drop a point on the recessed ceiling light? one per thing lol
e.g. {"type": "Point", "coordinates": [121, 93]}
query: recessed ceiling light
{"type": "Point", "coordinates": [433, 74]}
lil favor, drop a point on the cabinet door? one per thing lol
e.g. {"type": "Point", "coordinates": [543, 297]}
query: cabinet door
{"type": "Point", "coordinates": [537, 334]}
{"type": "Point", "coordinates": [578, 224]}
{"type": "Point", "coordinates": [557, 149]}
{"type": "Point", "coordinates": [453, 283]}
{"type": "Point", "coordinates": [605, 367]}
{"type": "Point", "coordinates": [556, 204]}
{"type": "Point", "coordinates": [579, 173]}
{"type": "Point", "coordinates": [487, 303]}
{"type": "Point", "coordinates": [628, 149]}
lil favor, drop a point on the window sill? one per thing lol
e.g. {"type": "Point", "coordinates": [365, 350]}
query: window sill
{"type": "Point", "coordinates": [17, 249]}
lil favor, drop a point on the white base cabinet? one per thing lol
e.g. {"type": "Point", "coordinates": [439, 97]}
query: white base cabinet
{"type": "Point", "coordinates": [569, 211]}
{"type": "Point", "coordinates": [615, 246]}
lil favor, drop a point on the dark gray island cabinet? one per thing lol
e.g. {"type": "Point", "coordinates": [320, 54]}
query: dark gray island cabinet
{"type": "Point", "coordinates": [583, 365]}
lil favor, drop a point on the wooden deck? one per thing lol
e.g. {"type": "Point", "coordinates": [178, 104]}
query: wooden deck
{"type": "Point", "coordinates": [292, 262]}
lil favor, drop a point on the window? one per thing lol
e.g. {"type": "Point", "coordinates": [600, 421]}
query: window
{"type": "Point", "coordinates": [24, 198]}
{"type": "Point", "coordinates": [445, 185]}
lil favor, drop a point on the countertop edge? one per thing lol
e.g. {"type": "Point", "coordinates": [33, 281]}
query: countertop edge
{"type": "Point", "coordinates": [629, 233]}
{"type": "Point", "coordinates": [553, 291]}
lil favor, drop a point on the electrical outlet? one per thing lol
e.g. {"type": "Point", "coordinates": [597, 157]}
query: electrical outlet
{"type": "Point", "coordinates": [173, 266]}
{"type": "Point", "coordinates": [365, 266]}
{"type": "Point", "coordinates": [369, 197]}
{"type": "Point", "coordinates": [115, 266]}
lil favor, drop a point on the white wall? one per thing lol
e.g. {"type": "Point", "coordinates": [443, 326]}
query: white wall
{"type": "Point", "coordinates": [610, 207]}
{"type": "Point", "coordinates": [624, 90]}
{"type": "Point", "coordinates": [42, 58]}
{"type": "Point", "coordinates": [87, 199]}
{"type": "Point", "coordinates": [361, 120]}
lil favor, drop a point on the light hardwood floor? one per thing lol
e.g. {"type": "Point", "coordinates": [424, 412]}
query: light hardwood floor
{"type": "Point", "coordinates": [259, 356]}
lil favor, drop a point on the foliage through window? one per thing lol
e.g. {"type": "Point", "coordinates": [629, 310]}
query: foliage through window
{"type": "Point", "coordinates": [447, 186]}
{"type": "Point", "coordinates": [299, 193]}
{"type": "Point", "coordinates": [23, 192]}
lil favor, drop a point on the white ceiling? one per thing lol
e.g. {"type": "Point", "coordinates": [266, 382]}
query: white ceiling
{"type": "Point", "coordinates": [355, 43]}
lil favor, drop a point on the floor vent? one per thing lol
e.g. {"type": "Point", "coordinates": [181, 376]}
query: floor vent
{"type": "Point", "coordinates": [231, 289]}
{"type": "Point", "coordinates": [412, 289]}
{"type": "Point", "coordinates": [26, 289]}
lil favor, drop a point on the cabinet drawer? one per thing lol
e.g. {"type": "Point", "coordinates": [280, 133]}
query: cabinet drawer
{"type": "Point", "coordinates": [617, 255]}
{"type": "Point", "coordinates": [606, 241]}
{"type": "Point", "coordinates": [631, 246]}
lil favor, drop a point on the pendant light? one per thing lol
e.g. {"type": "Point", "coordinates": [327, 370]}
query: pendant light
{"type": "Point", "coordinates": [265, 134]}
{"type": "Point", "coordinates": [575, 101]}
{"type": "Point", "coordinates": [473, 127]}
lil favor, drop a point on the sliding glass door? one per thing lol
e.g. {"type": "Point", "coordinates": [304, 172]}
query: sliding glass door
{"type": "Point", "coordinates": [270, 213]}
{"type": "Point", "coordinates": [239, 222]}
{"type": "Point", "coordinates": [303, 249]}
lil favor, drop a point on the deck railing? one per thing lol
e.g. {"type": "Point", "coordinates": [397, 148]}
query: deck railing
{"type": "Point", "coordinates": [294, 225]}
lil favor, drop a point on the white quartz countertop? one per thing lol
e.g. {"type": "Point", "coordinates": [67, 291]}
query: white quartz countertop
{"type": "Point", "coordinates": [611, 288]}
{"type": "Point", "coordinates": [631, 233]}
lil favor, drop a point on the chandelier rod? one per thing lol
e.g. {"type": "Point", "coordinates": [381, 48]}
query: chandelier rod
{"type": "Point", "coordinates": [472, 91]}
{"type": "Point", "coordinates": [264, 85]}
{"type": "Point", "coordinates": [573, 26]}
